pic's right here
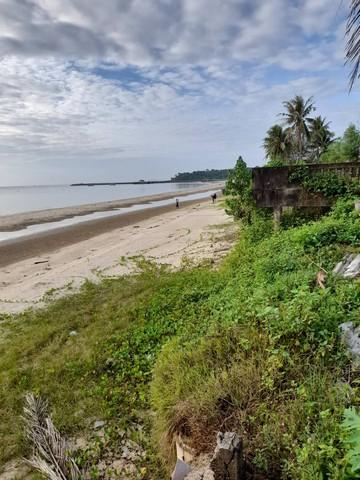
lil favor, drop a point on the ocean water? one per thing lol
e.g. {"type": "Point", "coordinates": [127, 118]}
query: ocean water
{"type": "Point", "coordinates": [27, 199]}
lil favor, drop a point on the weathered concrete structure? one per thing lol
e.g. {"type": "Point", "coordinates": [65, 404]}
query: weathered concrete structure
{"type": "Point", "coordinates": [272, 188]}
{"type": "Point", "coordinates": [227, 463]}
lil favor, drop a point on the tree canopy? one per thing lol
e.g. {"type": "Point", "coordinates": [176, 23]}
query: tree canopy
{"type": "Point", "coordinates": [301, 138]}
{"type": "Point", "coordinates": [201, 175]}
{"type": "Point", "coordinates": [344, 149]}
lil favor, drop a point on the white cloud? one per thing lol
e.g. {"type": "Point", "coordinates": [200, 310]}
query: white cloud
{"type": "Point", "coordinates": [160, 31]}
{"type": "Point", "coordinates": [194, 88]}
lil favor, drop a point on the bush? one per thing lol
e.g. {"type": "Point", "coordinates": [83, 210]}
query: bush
{"type": "Point", "coordinates": [329, 184]}
{"type": "Point", "coordinates": [270, 362]}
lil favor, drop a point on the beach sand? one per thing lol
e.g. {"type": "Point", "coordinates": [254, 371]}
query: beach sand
{"type": "Point", "coordinates": [63, 259]}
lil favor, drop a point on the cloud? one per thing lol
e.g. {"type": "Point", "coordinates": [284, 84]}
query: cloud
{"type": "Point", "coordinates": [133, 88]}
{"type": "Point", "coordinates": [160, 31]}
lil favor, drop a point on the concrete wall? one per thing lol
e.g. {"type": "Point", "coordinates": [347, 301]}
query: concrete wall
{"type": "Point", "coordinates": [272, 189]}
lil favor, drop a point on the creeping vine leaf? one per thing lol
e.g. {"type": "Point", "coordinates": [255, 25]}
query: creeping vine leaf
{"type": "Point", "coordinates": [351, 426]}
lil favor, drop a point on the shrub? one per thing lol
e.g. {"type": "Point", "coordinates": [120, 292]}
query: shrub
{"type": "Point", "coordinates": [270, 361]}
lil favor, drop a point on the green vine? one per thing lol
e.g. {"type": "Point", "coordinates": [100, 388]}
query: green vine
{"type": "Point", "coordinates": [330, 184]}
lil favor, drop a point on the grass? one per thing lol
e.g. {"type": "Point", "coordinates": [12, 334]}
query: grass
{"type": "Point", "coordinates": [37, 353]}
{"type": "Point", "coordinates": [253, 346]}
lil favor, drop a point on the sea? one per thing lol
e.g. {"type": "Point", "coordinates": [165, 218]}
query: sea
{"type": "Point", "coordinates": [31, 198]}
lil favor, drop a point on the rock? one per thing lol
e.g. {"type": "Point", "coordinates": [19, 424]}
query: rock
{"type": "Point", "coordinates": [99, 424]}
{"type": "Point", "coordinates": [349, 267]}
{"type": "Point", "coordinates": [353, 269]}
{"type": "Point", "coordinates": [351, 338]}
{"type": "Point", "coordinates": [73, 333]}
{"type": "Point", "coordinates": [227, 462]}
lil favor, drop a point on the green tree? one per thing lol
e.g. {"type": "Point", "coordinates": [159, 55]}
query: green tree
{"type": "Point", "coordinates": [238, 191]}
{"type": "Point", "coordinates": [277, 143]}
{"type": "Point", "coordinates": [296, 116]}
{"type": "Point", "coordinates": [351, 144]}
{"type": "Point", "coordinates": [334, 153]}
{"type": "Point", "coordinates": [320, 137]}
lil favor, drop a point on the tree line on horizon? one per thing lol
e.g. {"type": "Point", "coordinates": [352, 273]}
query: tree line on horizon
{"type": "Point", "coordinates": [303, 138]}
{"type": "Point", "coordinates": [201, 175]}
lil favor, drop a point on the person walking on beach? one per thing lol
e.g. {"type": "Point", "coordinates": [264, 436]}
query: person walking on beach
{"type": "Point", "coordinates": [213, 197]}
{"type": "Point", "coordinates": [177, 203]}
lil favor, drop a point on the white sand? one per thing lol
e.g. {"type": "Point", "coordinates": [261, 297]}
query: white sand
{"type": "Point", "coordinates": [166, 238]}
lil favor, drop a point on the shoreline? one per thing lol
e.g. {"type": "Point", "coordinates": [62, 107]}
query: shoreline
{"type": "Point", "coordinates": [38, 244]}
{"type": "Point", "coordinates": [19, 221]}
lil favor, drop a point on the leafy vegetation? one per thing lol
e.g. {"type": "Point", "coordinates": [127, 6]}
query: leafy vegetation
{"type": "Point", "coordinates": [238, 192]}
{"type": "Point", "coordinates": [270, 362]}
{"type": "Point", "coordinates": [345, 149]}
{"type": "Point", "coordinates": [302, 138]}
{"type": "Point", "coordinates": [201, 175]}
{"type": "Point", "coordinates": [308, 140]}
{"type": "Point", "coordinates": [351, 428]}
{"type": "Point", "coordinates": [330, 184]}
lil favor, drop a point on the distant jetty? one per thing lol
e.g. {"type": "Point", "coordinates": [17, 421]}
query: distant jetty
{"type": "Point", "coordinates": [139, 182]}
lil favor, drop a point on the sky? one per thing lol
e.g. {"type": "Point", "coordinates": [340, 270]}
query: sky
{"type": "Point", "coordinates": [117, 90]}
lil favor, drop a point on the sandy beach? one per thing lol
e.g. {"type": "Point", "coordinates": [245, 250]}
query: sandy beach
{"type": "Point", "coordinates": [59, 260]}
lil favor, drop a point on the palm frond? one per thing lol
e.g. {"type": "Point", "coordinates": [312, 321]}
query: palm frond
{"type": "Point", "coordinates": [50, 453]}
{"type": "Point", "coordinates": [353, 42]}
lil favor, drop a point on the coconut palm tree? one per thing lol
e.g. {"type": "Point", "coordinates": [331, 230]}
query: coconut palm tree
{"type": "Point", "coordinates": [353, 42]}
{"type": "Point", "coordinates": [320, 137]}
{"type": "Point", "coordinates": [277, 143]}
{"type": "Point", "coordinates": [297, 118]}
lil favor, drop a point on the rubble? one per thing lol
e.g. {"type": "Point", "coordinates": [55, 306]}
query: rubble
{"type": "Point", "coordinates": [349, 267]}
